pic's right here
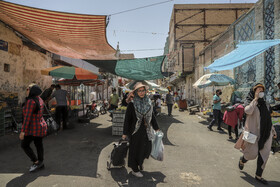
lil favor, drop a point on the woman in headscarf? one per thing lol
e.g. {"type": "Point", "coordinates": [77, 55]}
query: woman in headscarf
{"type": "Point", "coordinates": [34, 127]}
{"type": "Point", "coordinates": [138, 124]}
{"type": "Point", "coordinates": [258, 122]}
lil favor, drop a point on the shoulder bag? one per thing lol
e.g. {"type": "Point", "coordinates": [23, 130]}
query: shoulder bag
{"type": "Point", "coordinates": [249, 137]}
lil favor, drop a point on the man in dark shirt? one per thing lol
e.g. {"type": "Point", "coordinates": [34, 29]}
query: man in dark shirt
{"type": "Point", "coordinates": [46, 95]}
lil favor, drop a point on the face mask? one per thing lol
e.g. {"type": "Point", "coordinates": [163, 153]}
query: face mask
{"type": "Point", "coordinates": [261, 94]}
{"type": "Point", "coordinates": [221, 93]}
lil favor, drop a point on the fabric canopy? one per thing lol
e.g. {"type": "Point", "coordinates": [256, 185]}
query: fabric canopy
{"type": "Point", "coordinates": [135, 69]}
{"type": "Point", "coordinates": [76, 36]}
{"type": "Point", "coordinates": [74, 82]}
{"type": "Point", "coordinates": [69, 73]}
{"type": "Point", "coordinates": [244, 52]}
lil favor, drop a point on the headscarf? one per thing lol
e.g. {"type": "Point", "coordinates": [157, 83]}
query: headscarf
{"type": "Point", "coordinates": [251, 95]}
{"type": "Point", "coordinates": [265, 124]}
{"type": "Point", "coordinates": [143, 109]}
{"type": "Point", "coordinates": [34, 92]}
{"type": "Point", "coordinates": [142, 105]}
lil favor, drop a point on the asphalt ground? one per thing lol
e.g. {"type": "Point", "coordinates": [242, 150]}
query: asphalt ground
{"type": "Point", "coordinates": [193, 156]}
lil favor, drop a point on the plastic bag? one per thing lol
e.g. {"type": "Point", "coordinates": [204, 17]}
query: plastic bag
{"type": "Point", "coordinates": [157, 146]}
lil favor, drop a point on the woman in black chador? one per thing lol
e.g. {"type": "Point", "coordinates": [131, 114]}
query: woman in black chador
{"type": "Point", "coordinates": [138, 125]}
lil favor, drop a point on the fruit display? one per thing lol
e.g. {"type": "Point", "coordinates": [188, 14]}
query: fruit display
{"type": "Point", "coordinates": [122, 108]}
{"type": "Point", "coordinates": [275, 114]}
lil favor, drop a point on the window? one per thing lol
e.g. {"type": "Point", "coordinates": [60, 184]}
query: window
{"type": "Point", "coordinates": [7, 67]}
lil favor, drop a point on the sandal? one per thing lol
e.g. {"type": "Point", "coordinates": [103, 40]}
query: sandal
{"type": "Point", "coordinates": [240, 164]}
{"type": "Point", "coordinates": [261, 180]}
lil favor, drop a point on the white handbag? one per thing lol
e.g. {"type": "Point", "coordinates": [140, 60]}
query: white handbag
{"type": "Point", "coordinates": [249, 137]}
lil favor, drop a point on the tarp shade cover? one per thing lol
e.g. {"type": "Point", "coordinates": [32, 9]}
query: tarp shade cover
{"type": "Point", "coordinates": [134, 69]}
{"type": "Point", "coordinates": [76, 36]}
{"type": "Point", "coordinates": [244, 52]}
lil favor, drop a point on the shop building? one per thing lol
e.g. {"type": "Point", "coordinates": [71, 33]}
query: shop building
{"type": "Point", "coordinates": [261, 22]}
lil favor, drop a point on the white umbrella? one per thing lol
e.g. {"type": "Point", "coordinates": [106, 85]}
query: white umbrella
{"type": "Point", "coordinates": [213, 79]}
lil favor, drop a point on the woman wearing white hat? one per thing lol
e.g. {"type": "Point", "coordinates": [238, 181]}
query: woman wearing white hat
{"type": "Point", "coordinates": [138, 124]}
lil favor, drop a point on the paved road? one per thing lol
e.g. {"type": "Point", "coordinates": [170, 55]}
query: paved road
{"type": "Point", "coordinates": [193, 156]}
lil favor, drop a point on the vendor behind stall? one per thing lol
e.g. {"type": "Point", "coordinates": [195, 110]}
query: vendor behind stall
{"type": "Point", "coordinates": [61, 109]}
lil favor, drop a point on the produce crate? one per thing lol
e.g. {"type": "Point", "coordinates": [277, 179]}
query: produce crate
{"type": "Point", "coordinates": [118, 116]}
{"type": "Point", "coordinates": [2, 123]}
{"type": "Point", "coordinates": [117, 124]}
{"type": "Point", "coordinates": [118, 120]}
{"type": "Point", "coordinates": [8, 118]}
{"type": "Point", "coordinates": [116, 130]}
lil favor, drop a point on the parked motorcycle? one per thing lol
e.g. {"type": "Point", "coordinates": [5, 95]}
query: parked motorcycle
{"type": "Point", "coordinates": [103, 107]}
{"type": "Point", "coordinates": [92, 110]}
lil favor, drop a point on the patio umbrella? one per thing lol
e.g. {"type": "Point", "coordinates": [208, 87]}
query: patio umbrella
{"type": "Point", "coordinates": [152, 86]}
{"type": "Point", "coordinates": [148, 83]}
{"type": "Point", "coordinates": [69, 73]}
{"type": "Point", "coordinates": [212, 79]}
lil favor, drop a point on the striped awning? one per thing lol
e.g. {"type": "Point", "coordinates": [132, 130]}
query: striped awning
{"type": "Point", "coordinates": [76, 36]}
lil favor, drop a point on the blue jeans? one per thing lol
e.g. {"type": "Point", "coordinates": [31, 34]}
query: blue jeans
{"type": "Point", "coordinates": [217, 117]}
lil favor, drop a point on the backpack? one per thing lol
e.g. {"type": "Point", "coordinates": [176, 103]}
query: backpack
{"type": "Point", "coordinates": [118, 154]}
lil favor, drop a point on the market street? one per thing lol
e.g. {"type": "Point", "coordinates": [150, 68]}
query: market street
{"type": "Point", "coordinates": [193, 156]}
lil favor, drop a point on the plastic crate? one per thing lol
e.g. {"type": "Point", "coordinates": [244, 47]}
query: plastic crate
{"type": "Point", "coordinates": [117, 130]}
{"type": "Point", "coordinates": [118, 120]}
{"type": "Point", "coordinates": [117, 133]}
{"type": "Point", "coordinates": [119, 114]}
{"type": "Point", "coordinates": [117, 124]}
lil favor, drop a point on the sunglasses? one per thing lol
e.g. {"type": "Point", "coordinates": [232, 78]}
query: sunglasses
{"type": "Point", "coordinates": [141, 91]}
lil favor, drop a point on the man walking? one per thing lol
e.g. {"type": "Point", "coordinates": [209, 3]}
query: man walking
{"type": "Point", "coordinates": [169, 102]}
{"type": "Point", "coordinates": [61, 97]}
{"type": "Point", "coordinates": [216, 111]}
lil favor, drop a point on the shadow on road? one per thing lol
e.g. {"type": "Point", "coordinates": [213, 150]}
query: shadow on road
{"type": "Point", "coordinates": [255, 183]}
{"type": "Point", "coordinates": [72, 152]}
{"type": "Point", "coordinates": [164, 122]}
{"type": "Point", "coordinates": [123, 178]}
{"type": "Point", "coordinates": [25, 179]}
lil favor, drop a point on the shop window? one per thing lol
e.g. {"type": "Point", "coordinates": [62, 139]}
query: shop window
{"type": "Point", "coordinates": [7, 67]}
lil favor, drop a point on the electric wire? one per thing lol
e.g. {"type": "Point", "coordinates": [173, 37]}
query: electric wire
{"type": "Point", "coordinates": [140, 8]}
{"type": "Point", "coordinates": [158, 49]}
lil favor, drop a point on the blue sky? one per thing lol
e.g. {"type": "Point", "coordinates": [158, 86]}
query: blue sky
{"type": "Point", "coordinates": [141, 29]}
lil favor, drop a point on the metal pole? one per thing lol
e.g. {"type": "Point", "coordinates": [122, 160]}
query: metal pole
{"type": "Point", "coordinates": [83, 102]}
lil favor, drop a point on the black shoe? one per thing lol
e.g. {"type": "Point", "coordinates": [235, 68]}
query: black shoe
{"type": "Point", "coordinates": [220, 129]}
{"type": "Point", "coordinates": [230, 137]}
{"type": "Point", "coordinates": [240, 164]}
{"type": "Point", "coordinates": [35, 167]}
{"type": "Point", "coordinates": [261, 180]}
{"type": "Point", "coordinates": [210, 128]}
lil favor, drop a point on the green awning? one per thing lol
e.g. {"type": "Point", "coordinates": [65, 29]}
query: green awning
{"type": "Point", "coordinates": [134, 69]}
